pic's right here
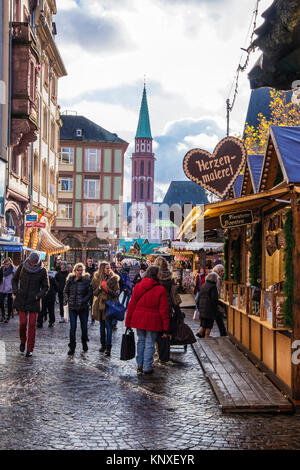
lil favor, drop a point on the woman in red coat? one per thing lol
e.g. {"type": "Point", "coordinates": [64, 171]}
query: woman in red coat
{"type": "Point", "coordinates": [148, 312]}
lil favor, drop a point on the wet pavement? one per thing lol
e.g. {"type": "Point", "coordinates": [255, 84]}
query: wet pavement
{"type": "Point", "coordinates": [51, 402]}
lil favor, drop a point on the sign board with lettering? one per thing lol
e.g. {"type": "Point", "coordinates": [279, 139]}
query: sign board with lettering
{"type": "Point", "coordinates": [236, 219]}
{"type": "Point", "coordinates": [35, 224]}
{"type": "Point", "coordinates": [31, 218]}
{"type": "Point", "coordinates": [216, 171]}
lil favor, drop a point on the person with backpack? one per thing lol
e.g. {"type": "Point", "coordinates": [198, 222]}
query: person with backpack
{"type": "Point", "coordinates": [29, 285]}
{"type": "Point", "coordinates": [148, 312]}
{"type": "Point", "coordinates": [77, 294]}
{"type": "Point", "coordinates": [125, 286]}
{"type": "Point", "coordinates": [6, 275]}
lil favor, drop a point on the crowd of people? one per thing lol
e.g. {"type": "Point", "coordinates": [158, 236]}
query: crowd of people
{"type": "Point", "coordinates": [148, 294]}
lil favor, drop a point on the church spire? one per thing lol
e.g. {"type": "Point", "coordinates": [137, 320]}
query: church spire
{"type": "Point", "coordinates": [144, 129]}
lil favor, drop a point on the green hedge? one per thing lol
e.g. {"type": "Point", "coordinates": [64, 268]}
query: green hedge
{"type": "Point", "coordinates": [256, 255]}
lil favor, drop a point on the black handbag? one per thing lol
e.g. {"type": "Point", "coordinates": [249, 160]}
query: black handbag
{"type": "Point", "coordinates": [183, 335]}
{"type": "Point", "coordinates": [163, 348]}
{"type": "Point", "coordinates": [127, 345]}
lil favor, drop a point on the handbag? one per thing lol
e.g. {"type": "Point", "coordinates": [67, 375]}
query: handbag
{"type": "Point", "coordinates": [183, 335]}
{"type": "Point", "coordinates": [115, 310]}
{"type": "Point", "coordinates": [127, 345]}
{"type": "Point", "coordinates": [163, 348]}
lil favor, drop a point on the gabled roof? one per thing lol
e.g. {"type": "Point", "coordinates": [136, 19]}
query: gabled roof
{"type": "Point", "coordinates": [91, 132]}
{"type": "Point", "coordinates": [143, 129]}
{"type": "Point", "coordinates": [255, 163]}
{"type": "Point", "coordinates": [181, 192]}
{"type": "Point", "coordinates": [282, 154]}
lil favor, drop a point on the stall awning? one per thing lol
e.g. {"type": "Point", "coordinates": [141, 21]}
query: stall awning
{"type": "Point", "coordinates": [50, 244]}
{"type": "Point", "coordinates": [194, 246]}
{"type": "Point", "coordinates": [213, 211]}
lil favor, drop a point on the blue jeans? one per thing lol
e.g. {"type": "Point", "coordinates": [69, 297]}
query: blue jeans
{"type": "Point", "coordinates": [106, 332]}
{"type": "Point", "coordinates": [145, 348]}
{"type": "Point", "coordinates": [83, 316]}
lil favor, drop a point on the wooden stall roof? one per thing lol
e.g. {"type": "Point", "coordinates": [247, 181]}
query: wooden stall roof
{"type": "Point", "coordinates": [213, 211]}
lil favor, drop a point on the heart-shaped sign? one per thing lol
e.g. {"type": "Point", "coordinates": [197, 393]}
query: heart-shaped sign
{"type": "Point", "coordinates": [216, 171]}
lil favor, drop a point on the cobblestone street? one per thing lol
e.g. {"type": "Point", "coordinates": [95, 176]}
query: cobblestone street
{"type": "Point", "coordinates": [51, 402]}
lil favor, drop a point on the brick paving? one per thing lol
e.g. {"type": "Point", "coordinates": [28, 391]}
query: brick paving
{"type": "Point", "coordinates": [51, 402]}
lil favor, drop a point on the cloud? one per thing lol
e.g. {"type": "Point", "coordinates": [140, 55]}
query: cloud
{"type": "Point", "coordinates": [98, 34]}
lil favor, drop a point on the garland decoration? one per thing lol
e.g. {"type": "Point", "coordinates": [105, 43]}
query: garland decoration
{"type": "Point", "coordinates": [288, 285]}
{"type": "Point", "coordinates": [225, 259]}
{"type": "Point", "coordinates": [255, 258]}
{"type": "Point", "coordinates": [236, 247]}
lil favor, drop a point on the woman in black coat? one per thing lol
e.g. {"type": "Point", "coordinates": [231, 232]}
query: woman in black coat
{"type": "Point", "coordinates": [77, 295]}
{"type": "Point", "coordinates": [207, 305]}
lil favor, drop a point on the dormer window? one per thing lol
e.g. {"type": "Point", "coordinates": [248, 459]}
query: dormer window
{"type": "Point", "coordinates": [78, 132]}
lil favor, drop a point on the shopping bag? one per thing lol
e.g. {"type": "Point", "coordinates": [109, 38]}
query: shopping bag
{"type": "Point", "coordinates": [183, 335]}
{"type": "Point", "coordinates": [66, 313]}
{"type": "Point", "coordinates": [196, 316]}
{"type": "Point", "coordinates": [115, 310]}
{"type": "Point", "coordinates": [127, 345]}
{"type": "Point", "coordinates": [163, 348]}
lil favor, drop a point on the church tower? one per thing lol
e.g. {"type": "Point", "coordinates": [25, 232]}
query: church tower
{"type": "Point", "coordinates": [142, 188]}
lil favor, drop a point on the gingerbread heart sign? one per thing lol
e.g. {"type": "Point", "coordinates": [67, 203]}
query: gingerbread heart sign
{"type": "Point", "coordinates": [216, 171]}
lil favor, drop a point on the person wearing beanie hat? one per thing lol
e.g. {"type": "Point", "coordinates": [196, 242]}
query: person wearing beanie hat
{"type": "Point", "coordinates": [207, 305]}
{"type": "Point", "coordinates": [60, 279]}
{"type": "Point", "coordinates": [29, 285]}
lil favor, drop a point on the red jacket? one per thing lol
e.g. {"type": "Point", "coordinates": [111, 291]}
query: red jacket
{"type": "Point", "coordinates": [200, 280]}
{"type": "Point", "coordinates": [148, 308]}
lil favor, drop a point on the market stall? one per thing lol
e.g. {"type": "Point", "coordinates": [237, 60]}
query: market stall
{"type": "Point", "coordinates": [261, 286]}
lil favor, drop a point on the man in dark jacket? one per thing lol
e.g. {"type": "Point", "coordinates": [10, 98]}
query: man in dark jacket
{"type": "Point", "coordinates": [77, 294]}
{"type": "Point", "coordinates": [90, 267]}
{"type": "Point", "coordinates": [29, 285]}
{"type": "Point", "coordinates": [48, 304]}
{"type": "Point", "coordinates": [207, 305]}
{"type": "Point", "coordinates": [60, 279]}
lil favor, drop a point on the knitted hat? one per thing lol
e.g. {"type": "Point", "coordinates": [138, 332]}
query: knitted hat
{"type": "Point", "coordinates": [34, 258]}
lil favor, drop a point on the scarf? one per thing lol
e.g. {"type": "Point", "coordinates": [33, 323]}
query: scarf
{"type": "Point", "coordinates": [33, 269]}
{"type": "Point", "coordinates": [8, 271]}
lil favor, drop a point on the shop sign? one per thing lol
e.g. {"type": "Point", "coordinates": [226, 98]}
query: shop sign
{"type": "Point", "coordinates": [31, 218]}
{"type": "Point", "coordinates": [216, 171]}
{"type": "Point", "coordinates": [236, 219]}
{"type": "Point", "coordinates": [35, 224]}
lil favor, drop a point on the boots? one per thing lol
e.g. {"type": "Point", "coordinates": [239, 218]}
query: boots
{"type": "Point", "coordinates": [72, 347]}
{"type": "Point", "coordinates": [103, 348]}
{"type": "Point", "coordinates": [108, 350]}
{"type": "Point", "coordinates": [84, 346]}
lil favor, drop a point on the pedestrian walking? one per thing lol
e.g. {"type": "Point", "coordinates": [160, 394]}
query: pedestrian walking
{"type": "Point", "coordinates": [140, 275]}
{"type": "Point", "coordinates": [125, 286]}
{"type": "Point", "coordinates": [200, 280]}
{"type": "Point", "coordinates": [207, 305]}
{"type": "Point", "coordinates": [148, 312]}
{"type": "Point", "coordinates": [77, 294]}
{"type": "Point", "coordinates": [48, 304]}
{"type": "Point", "coordinates": [6, 275]}
{"type": "Point", "coordinates": [219, 270]}
{"type": "Point", "coordinates": [105, 285]}
{"type": "Point", "coordinates": [30, 284]}
{"type": "Point", "coordinates": [91, 269]}
{"type": "Point", "coordinates": [60, 279]}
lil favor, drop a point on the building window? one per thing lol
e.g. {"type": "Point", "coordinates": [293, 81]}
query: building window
{"type": "Point", "coordinates": [135, 169]}
{"type": "Point", "coordinates": [149, 168]}
{"type": "Point", "coordinates": [148, 147]}
{"type": "Point", "coordinates": [142, 168]}
{"type": "Point", "coordinates": [91, 188]}
{"type": "Point", "coordinates": [45, 123]}
{"type": "Point", "coordinates": [148, 195]}
{"type": "Point", "coordinates": [53, 88]}
{"type": "Point", "coordinates": [15, 163]}
{"type": "Point", "coordinates": [24, 165]}
{"type": "Point", "coordinates": [91, 215]}
{"type": "Point", "coordinates": [143, 147]}
{"type": "Point", "coordinates": [78, 132]}
{"type": "Point", "coordinates": [46, 75]}
{"type": "Point", "coordinates": [67, 155]}
{"type": "Point", "coordinates": [142, 190]}
{"type": "Point", "coordinates": [44, 177]}
{"type": "Point", "coordinates": [32, 81]}
{"type": "Point", "coordinates": [137, 147]}
{"type": "Point", "coordinates": [65, 211]}
{"type": "Point", "coordinates": [65, 184]}
{"type": "Point", "coordinates": [92, 160]}
{"type": "Point", "coordinates": [135, 190]}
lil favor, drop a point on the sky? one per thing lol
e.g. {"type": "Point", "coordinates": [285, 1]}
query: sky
{"type": "Point", "coordinates": [188, 50]}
